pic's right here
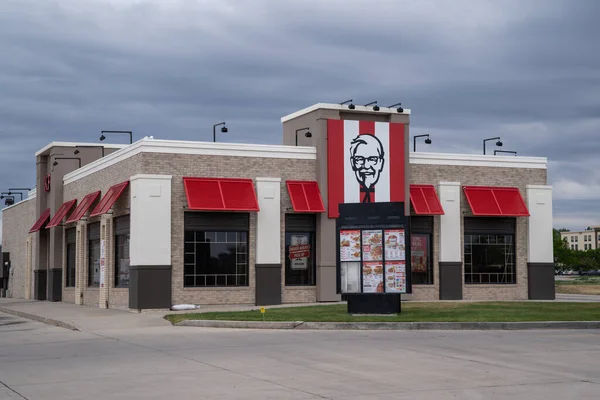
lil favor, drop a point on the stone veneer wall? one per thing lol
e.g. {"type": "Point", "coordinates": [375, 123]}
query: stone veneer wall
{"type": "Point", "coordinates": [16, 222]}
{"type": "Point", "coordinates": [480, 176]}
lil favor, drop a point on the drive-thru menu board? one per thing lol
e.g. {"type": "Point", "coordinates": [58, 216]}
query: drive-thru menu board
{"type": "Point", "coordinates": [373, 261]}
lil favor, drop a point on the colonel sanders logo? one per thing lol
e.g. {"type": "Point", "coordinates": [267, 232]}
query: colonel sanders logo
{"type": "Point", "coordinates": [367, 160]}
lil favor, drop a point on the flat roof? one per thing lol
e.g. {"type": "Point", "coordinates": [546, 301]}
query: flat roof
{"type": "Point", "coordinates": [46, 148]}
{"type": "Point", "coordinates": [332, 106]}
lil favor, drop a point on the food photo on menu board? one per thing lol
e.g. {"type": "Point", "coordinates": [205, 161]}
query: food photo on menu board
{"type": "Point", "coordinates": [395, 277]}
{"type": "Point", "coordinates": [349, 245]}
{"type": "Point", "coordinates": [372, 277]}
{"type": "Point", "coordinates": [395, 248]}
{"type": "Point", "coordinates": [372, 245]}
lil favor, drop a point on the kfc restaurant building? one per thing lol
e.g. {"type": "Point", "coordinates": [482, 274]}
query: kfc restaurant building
{"type": "Point", "coordinates": [164, 222]}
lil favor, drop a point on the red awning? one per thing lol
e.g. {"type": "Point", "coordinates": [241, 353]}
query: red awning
{"type": "Point", "coordinates": [425, 200]}
{"type": "Point", "coordinates": [109, 199]}
{"type": "Point", "coordinates": [305, 196]}
{"type": "Point", "coordinates": [220, 194]}
{"type": "Point", "coordinates": [83, 207]}
{"type": "Point", "coordinates": [496, 201]}
{"type": "Point", "coordinates": [41, 221]}
{"type": "Point", "coordinates": [61, 213]}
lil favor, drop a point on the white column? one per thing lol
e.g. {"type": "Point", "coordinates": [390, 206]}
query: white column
{"type": "Point", "coordinates": [450, 222]}
{"type": "Point", "coordinates": [268, 221]}
{"type": "Point", "coordinates": [150, 218]}
{"type": "Point", "coordinates": [539, 202]}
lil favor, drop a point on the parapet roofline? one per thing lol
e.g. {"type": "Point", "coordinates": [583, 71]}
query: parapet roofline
{"type": "Point", "coordinates": [331, 106]}
{"type": "Point", "coordinates": [46, 149]}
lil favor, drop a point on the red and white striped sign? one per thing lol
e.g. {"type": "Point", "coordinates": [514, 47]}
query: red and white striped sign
{"type": "Point", "coordinates": [366, 163]}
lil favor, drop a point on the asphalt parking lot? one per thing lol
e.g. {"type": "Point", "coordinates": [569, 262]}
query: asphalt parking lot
{"type": "Point", "coordinates": [38, 361]}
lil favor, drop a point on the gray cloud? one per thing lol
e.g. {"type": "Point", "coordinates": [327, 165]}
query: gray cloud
{"type": "Point", "coordinates": [525, 71]}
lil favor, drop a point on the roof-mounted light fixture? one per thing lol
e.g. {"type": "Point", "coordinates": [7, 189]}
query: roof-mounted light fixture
{"type": "Point", "coordinates": [307, 134]}
{"type": "Point", "coordinates": [350, 106]}
{"type": "Point", "coordinates": [498, 143]}
{"type": "Point", "coordinates": [223, 130]}
{"type": "Point", "coordinates": [375, 107]}
{"type": "Point", "coordinates": [130, 133]}
{"type": "Point", "coordinates": [399, 109]}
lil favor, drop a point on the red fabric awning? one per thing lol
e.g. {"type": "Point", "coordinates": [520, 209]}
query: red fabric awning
{"type": "Point", "coordinates": [83, 207]}
{"type": "Point", "coordinates": [496, 201]}
{"type": "Point", "coordinates": [425, 200]}
{"type": "Point", "coordinates": [61, 213]}
{"type": "Point", "coordinates": [39, 224]}
{"type": "Point", "coordinates": [305, 196]}
{"type": "Point", "coordinates": [109, 199]}
{"type": "Point", "coordinates": [220, 194]}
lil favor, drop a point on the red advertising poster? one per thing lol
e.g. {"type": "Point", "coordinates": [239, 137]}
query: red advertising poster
{"type": "Point", "coordinates": [364, 158]}
{"type": "Point", "coordinates": [418, 253]}
{"type": "Point", "coordinates": [372, 245]}
{"type": "Point", "coordinates": [372, 277]}
{"type": "Point", "coordinates": [350, 245]}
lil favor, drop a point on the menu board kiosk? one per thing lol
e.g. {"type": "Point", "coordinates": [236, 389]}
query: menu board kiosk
{"type": "Point", "coordinates": [373, 267]}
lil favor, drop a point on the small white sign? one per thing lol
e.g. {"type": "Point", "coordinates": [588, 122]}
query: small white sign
{"type": "Point", "coordinates": [102, 262]}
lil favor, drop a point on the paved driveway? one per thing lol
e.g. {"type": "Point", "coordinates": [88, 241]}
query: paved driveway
{"type": "Point", "coordinates": [44, 362]}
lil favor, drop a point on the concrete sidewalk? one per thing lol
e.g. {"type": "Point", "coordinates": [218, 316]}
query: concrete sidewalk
{"type": "Point", "coordinates": [89, 319]}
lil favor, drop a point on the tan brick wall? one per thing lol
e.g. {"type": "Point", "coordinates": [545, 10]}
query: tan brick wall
{"type": "Point", "coordinates": [103, 180]}
{"type": "Point", "coordinates": [16, 222]}
{"type": "Point", "coordinates": [480, 176]}
{"type": "Point", "coordinates": [225, 167]}
{"type": "Point", "coordinates": [68, 295]}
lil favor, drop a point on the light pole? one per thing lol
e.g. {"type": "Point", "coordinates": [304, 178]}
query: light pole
{"type": "Point", "coordinates": [498, 143]}
{"type": "Point", "coordinates": [223, 130]}
{"type": "Point", "coordinates": [505, 151]}
{"type": "Point", "coordinates": [307, 134]}
{"type": "Point", "coordinates": [427, 141]}
{"type": "Point", "coordinates": [130, 133]}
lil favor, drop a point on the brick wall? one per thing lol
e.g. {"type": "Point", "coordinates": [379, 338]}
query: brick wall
{"type": "Point", "coordinates": [180, 165]}
{"type": "Point", "coordinates": [16, 222]}
{"type": "Point", "coordinates": [101, 180]}
{"type": "Point", "coordinates": [480, 176]}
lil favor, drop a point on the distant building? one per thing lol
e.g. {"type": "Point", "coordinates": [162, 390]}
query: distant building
{"type": "Point", "coordinates": [582, 240]}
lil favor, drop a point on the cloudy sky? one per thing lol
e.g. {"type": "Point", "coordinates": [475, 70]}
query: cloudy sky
{"type": "Point", "coordinates": [525, 70]}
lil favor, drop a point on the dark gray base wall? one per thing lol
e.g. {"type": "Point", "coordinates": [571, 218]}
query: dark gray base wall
{"type": "Point", "coordinates": [55, 284]}
{"type": "Point", "coordinates": [451, 279]}
{"type": "Point", "coordinates": [268, 284]}
{"type": "Point", "coordinates": [39, 284]}
{"type": "Point", "coordinates": [150, 287]}
{"type": "Point", "coordinates": [540, 281]}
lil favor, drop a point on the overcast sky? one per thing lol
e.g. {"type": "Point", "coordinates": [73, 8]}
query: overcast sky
{"type": "Point", "coordinates": [527, 71]}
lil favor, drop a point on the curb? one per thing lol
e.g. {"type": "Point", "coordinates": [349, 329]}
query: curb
{"type": "Point", "coordinates": [49, 321]}
{"type": "Point", "coordinates": [393, 325]}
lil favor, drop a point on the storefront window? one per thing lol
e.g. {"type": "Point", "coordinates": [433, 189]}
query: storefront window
{"type": "Point", "coordinates": [122, 251]}
{"type": "Point", "coordinates": [214, 258]}
{"type": "Point", "coordinates": [94, 255]}
{"type": "Point", "coordinates": [300, 256]}
{"type": "Point", "coordinates": [421, 254]}
{"type": "Point", "coordinates": [70, 250]}
{"type": "Point", "coordinates": [489, 251]}
{"type": "Point", "coordinates": [300, 266]}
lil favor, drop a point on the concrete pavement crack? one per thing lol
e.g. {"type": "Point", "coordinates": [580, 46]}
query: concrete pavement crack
{"type": "Point", "coordinates": [13, 390]}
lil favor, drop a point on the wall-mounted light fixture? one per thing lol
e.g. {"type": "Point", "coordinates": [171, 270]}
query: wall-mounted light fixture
{"type": "Point", "coordinates": [375, 107]}
{"type": "Point", "coordinates": [399, 109]}
{"type": "Point", "coordinates": [55, 163]}
{"type": "Point", "coordinates": [307, 134]}
{"type": "Point", "coordinates": [505, 151]}
{"type": "Point", "coordinates": [350, 106]}
{"type": "Point", "coordinates": [94, 147]}
{"type": "Point", "coordinates": [498, 143]}
{"type": "Point", "coordinates": [223, 130]}
{"type": "Point", "coordinates": [427, 141]}
{"type": "Point", "coordinates": [130, 133]}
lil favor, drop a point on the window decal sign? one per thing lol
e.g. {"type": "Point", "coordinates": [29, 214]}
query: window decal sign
{"type": "Point", "coordinates": [299, 251]}
{"type": "Point", "coordinates": [366, 163]}
{"type": "Point", "coordinates": [102, 262]}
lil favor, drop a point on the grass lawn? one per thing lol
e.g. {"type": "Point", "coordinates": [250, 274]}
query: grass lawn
{"type": "Point", "coordinates": [421, 312]}
{"type": "Point", "coordinates": [579, 285]}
